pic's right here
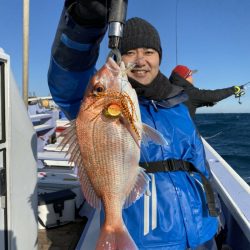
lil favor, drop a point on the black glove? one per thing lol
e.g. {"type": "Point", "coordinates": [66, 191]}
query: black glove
{"type": "Point", "coordinates": [91, 13]}
{"type": "Point", "coordinates": [239, 91]}
{"type": "Point", "coordinates": [210, 104]}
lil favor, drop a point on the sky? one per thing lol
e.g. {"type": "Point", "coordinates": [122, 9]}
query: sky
{"type": "Point", "coordinates": [212, 36]}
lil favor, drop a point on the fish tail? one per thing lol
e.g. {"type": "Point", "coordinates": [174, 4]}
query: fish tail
{"type": "Point", "coordinates": [115, 240]}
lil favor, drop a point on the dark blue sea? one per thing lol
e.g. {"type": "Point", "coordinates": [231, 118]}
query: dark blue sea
{"type": "Point", "coordinates": [229, 135]}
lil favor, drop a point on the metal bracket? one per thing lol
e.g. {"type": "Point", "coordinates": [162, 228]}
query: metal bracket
{"type": "Point", "coordinates": [116, 54]}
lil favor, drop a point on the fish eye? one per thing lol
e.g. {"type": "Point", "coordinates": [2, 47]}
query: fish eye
{"type": "Point", "coordinates": [98, 88]}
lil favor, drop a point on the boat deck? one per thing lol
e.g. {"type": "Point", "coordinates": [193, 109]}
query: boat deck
{"type": "Point", "coordinates": [64, 237]}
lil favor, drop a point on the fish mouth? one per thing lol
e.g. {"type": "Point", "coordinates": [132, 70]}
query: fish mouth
{"type": "Point", "coordinates": [112, 110]}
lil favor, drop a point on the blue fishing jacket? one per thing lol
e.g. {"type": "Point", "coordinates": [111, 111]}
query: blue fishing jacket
{"type": "Point", "coordinates": [175, 215]}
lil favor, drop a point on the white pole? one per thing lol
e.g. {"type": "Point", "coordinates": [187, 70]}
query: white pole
{"type": "Point", "coordinates": [25, 51]}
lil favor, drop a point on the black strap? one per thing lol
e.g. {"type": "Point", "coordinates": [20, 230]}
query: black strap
{"type": "Point", "coordinates": [210, 196]}
{"type": "Point", "coordinates": [181, 165]}
{"type": "Point", "coordinates": [41, 222]}
{"type": "Point", "coordinates": [166, 166]}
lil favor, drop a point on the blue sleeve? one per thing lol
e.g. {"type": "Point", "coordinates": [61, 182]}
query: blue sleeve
{"type": "Point", "coordinates": [73, 57]}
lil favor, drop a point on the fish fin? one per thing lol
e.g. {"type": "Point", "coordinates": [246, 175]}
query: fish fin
{"type": "Point", "coordinates": [115, 240]}
{"type": "Point", "coordinates": [70, 139]}
{"type": "Point", "coordinates": [151, 134]}
{"type": "Point", "coordinates": [68, 135]}
{"type": "Point", "coordinates": [139, 188]}
{"type": "Point", "coordinates": [87, 189]}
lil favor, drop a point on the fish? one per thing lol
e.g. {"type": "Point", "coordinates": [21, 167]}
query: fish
{"type": "Point", "coordinates": [104, 142]}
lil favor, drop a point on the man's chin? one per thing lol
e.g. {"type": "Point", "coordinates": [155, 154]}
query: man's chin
{"type": "Point", "coordinates": [140, 80]}
{"type": "Point", "coordinates": [143, 82]}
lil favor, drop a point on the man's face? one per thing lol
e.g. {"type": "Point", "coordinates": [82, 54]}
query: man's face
{"type": "Point", "coordinates": [147, 62]}
{"type": "Point", "coordinates": [190, 79]}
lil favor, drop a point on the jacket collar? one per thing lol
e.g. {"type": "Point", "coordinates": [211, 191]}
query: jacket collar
{"type": "Point", "coordinates": [167, 103]}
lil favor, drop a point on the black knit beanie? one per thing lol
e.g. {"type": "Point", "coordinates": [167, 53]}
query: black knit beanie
{"type": "Point", "coordinates": [138, 33]}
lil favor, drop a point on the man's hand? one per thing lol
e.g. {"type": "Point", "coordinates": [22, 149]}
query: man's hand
{"type": "Point", "coordinates": [239, 91]}
{"type": "Point", "coordinates": [91, 13]}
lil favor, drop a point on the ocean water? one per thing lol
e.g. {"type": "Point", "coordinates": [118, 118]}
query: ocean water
{"type": "Point", "coordinates": [229, 135]}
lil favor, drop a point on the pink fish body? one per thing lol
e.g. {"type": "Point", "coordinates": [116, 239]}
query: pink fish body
{"type": "Point", "coordinates": [105, 145]}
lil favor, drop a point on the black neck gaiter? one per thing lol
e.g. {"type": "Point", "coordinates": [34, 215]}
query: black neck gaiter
{"type": "Point", "coordinates": [159, 89]}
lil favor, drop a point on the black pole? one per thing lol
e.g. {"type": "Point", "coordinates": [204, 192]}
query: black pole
{"type": "Point", "coordinates": [117, 18]}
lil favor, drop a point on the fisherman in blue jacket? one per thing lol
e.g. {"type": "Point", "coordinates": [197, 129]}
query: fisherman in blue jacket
{"type": "Point", "coordinates": [180, 213]}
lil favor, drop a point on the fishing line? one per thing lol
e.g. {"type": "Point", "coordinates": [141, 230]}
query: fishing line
{"type": "Point", "coordinates": [246, 85]}
{"type": "Point", "coordinates": [176, 31]}
{"type": "Point", "coordinates": [215, 135]}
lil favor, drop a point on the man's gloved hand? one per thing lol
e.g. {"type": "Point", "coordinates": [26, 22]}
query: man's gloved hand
{"type": "Point", "coordinates": [239, 91]}
{"type": "Point", "coordinates": [91, 13]}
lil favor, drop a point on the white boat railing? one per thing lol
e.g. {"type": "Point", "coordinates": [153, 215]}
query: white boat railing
{"type": "Point", "coordinates": [233, 190]}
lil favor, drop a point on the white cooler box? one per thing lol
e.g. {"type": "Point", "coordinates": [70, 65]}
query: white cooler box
{"type": "Point", "coordinates": [56, 208]}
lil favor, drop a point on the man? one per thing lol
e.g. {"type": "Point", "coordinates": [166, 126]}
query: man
{"type": "Point", "coordinates": [182, 76]}
{"type": "Point", "coordinates": [179, 214]}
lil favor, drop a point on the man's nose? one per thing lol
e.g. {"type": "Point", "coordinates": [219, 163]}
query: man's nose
{"type": "Point", "coordinates": [140, 61]}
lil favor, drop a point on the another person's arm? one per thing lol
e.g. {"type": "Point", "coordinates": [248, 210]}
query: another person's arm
{"type": "Point", "coordinates": [201, 97]}
{"type": "Point", "coordinates": [75, 51]}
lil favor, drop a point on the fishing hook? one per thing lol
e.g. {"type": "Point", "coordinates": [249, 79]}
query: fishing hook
{"type": "Point", "coordinates": [116, 55]}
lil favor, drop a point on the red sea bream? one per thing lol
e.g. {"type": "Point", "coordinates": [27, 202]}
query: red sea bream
{"type": "Point", "coordinates": [104, 142]}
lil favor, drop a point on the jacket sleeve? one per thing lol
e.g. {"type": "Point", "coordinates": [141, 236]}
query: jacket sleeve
{"type": "Point", "coordinates": [202, 97]}
{"type": "Point", "coordinates": [74, 54]}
